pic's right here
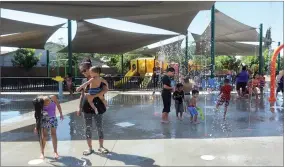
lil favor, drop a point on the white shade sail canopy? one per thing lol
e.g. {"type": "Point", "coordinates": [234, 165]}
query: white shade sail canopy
{"type": "Point", "coordinates": [228, 29]}
{"type": "Point", "coordinates": [79, 10]}
{"type": "Point", "coordinates": [92, 38]}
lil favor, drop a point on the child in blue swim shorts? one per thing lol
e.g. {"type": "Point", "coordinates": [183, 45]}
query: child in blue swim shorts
{"type": "Point", "coordinates": [192, 107]}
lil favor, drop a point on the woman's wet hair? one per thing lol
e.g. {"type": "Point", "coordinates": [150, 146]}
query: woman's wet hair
{"type": "Point", "coordinates": [38, 105]}
{"type": "Point", "coordinates": [244, 68]}
{"type": "Point", "coordinates": [86, 64]}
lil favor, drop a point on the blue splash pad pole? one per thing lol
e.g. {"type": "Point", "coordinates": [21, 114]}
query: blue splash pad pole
{"type": "Point", "coordinates": [60, 90]}
{"type": "Point", "coordinates": [59, 79]}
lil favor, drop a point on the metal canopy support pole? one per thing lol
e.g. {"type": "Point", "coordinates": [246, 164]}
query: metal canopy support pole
{"type": "Point", "coordinates": [260, 69]}
{"type": "Point", "coordinates": [212, 41]}
{"type": "Point", "coordinates": [47, 54]}
{"type": "Point", "coordinates": [57, 68]}
{"type": "Point", "coordinates": [278, 61]}
{"type": "Point", "coordinates": [122, 64]}
{"type": "Point", "coordinates": [186, 54]}
{"type": "Point", "coordinates": [69, 48]}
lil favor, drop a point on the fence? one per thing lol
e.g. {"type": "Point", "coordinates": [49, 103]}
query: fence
{"type": "Point", "coordinates": [26, 84]}
{"type": "Point", "coordinates": [42, 72]}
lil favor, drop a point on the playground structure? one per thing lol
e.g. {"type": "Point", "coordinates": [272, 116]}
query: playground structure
{"type": "Point", "coordinates": [56, 64]}
{"type": "Point", "coordinates": [272, 97]}
{"type": "Point", "coordinates": [193, 67]}
{"type": "Point", "coordinates": [142, 67]}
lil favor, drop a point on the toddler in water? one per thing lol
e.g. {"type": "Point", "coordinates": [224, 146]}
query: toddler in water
{"type": "Point", "coordinates": [178, 96]}
{"type": "Point", "coordinates": [225, 96]}
{"type": "Point", "coordinates": [94, 84]}
{"type": "Point", "coordinates": [192, 107]}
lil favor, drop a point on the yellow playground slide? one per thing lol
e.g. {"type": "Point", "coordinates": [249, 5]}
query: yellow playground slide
{"type": "Point", "coordinates": [124, 80]}
{"type": "Point", "coordinates": [146, 80]}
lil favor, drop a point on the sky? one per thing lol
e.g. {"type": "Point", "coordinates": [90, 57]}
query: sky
{"type": "Point", "coordinates": [250, 13]}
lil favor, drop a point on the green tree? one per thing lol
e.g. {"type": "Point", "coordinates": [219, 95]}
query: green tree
{"type": "Point", "coordinates": [56, 48]}
{"type": "Point", "coordinates": [253, 61]}
{"type": "Point", "coordinates": [227, 63]}
{"type": "Point", "coordinates": [25, 58]}
{"type": "Point", "coordinates": [111, 60]}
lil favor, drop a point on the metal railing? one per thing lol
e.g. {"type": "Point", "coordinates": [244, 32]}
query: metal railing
{"type": "Point", "coordinates": [26, 84]}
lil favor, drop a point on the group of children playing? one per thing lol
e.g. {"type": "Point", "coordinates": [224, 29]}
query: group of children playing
{"type": "Point", "coordinates": [182, 97]}
{"type": "Point", "coordinates": [255, 83]}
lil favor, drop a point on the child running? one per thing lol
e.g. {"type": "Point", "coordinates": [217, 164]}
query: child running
{"type": "Point", "coordinates": [45, 114]}
{"type": "Point", "coordinates": [225, 96]}
{"type": "Point", "coordinates": [192, 107]}
{"type": "Point", "coordinates": [94, 84]}
{"type": "Point", "coordinates": [178, 96]}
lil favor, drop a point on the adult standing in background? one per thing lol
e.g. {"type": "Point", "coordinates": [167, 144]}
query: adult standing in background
{"type": "Point", "coordinates": [241, 81]}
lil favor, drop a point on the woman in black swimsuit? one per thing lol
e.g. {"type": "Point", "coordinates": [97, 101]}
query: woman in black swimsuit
{"type": "Point", "coordinates": [89, 113]}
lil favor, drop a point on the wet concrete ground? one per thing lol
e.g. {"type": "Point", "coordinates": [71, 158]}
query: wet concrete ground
{"type": "Point", "coordinates": [251, 135]}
